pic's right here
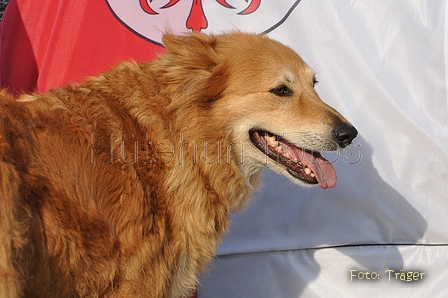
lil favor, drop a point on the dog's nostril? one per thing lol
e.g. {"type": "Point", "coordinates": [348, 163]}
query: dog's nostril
{"type": "Point", "coordinates": [344, 134]}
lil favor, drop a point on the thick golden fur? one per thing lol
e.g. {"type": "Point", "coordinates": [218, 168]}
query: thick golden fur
{"type": "Point", "coordinates": [121, 186]}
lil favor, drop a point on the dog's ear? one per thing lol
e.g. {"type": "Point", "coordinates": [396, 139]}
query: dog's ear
{"type": "Point", "coordinates": [191, 63]}
{"type": "Point", "coordinates": [195, 51]}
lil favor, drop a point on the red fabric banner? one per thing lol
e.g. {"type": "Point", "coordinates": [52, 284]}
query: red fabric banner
{"type": "Point", "coordinates": [47, 44]}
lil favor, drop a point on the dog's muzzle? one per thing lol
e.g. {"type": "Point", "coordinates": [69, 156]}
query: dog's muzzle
{"type": "Point", "coordinates": [305, 164]}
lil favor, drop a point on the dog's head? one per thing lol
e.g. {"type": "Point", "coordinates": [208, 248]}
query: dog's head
{"type": "Point", "coordinates": [263, 94]}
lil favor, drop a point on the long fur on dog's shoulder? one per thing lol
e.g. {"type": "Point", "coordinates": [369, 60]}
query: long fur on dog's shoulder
{"type": "Point", "coordinates": [97, 213]}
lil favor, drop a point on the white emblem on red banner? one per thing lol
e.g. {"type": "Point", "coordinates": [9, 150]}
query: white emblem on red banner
{"type": "Point", "coordinates": [151, 18]}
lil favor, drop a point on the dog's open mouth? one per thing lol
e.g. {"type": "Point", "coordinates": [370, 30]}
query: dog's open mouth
{"type": "Point", "coordinates": [308, 166]}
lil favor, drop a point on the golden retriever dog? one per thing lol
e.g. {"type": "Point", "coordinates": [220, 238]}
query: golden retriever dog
{"type": "Point", "coordinates": [122, 186]}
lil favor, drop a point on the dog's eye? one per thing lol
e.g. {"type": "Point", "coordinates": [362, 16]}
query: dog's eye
{"type": "Point", "coordinates": [281, 91]}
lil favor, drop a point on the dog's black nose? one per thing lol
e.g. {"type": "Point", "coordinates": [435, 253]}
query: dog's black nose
{"type": "Point", "coordinates": [344, 134]}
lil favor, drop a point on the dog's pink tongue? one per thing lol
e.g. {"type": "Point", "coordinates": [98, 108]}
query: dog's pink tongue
{"type": "Point", "coordinates": [322, 168]}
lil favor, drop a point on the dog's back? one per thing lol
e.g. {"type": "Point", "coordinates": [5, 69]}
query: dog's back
{"type": "Point", "coordinates": [71, 212]}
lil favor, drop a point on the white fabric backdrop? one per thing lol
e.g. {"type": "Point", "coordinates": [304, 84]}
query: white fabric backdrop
{"type": "Point", "coordinates": [382, 64]}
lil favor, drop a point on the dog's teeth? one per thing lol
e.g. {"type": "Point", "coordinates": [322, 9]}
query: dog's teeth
{"type": "Point", "coordinates": [308, 171]}
{"type": "Point", "coordinates": [312, 175]}
{"type": "Point", "coordinates": [272, 140]}
{"type": "Point", "coordinates": [295, 160]}
{"type": "Point", "coordinates": [279, 149]}
{"type": "Point", "coordinates": [287, 155]}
